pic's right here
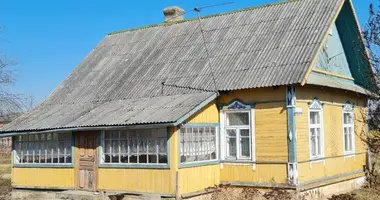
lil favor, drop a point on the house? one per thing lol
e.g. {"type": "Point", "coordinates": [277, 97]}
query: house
{"type": "Point", "coordinates": [270, 96]}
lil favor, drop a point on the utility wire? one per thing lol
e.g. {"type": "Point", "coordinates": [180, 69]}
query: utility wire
{"type": "Point", "coordinates": [207, 52]}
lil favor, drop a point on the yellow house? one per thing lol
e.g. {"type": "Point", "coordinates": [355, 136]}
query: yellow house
{"type": "Point", "coordinates": [270, 96]}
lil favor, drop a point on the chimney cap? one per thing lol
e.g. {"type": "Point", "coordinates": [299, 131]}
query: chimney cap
{"type": "Point", "coordinates": [173, 13]}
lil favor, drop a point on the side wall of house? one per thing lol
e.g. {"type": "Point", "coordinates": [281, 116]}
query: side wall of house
{"type": "Point", "coordinates": [270, 131]}
{"type": "Point", "coordinates": [335, 166]}
{"type": "Point", "coordinates": [197, 178]}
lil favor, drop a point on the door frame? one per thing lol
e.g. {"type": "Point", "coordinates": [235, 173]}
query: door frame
{"type": "Point", "coordinates": [76, 136]}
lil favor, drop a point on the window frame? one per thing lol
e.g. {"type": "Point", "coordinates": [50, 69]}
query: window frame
{"type": "Point", "coordinates": [316, 106]}
{"type": "Point", "coordinates": [348, 109]}
{"type": "Point", "coordinates": [43, 165]}
{"type": "Point", "coordinates": [102, 164]}
{"type": "Point", "coordinates": [202, 162]}
{"type": "Point", "coordinates": [237, 106]}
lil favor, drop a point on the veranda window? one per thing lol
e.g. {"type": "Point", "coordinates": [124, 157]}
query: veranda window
{"type": "Point", "coordinates": [43, 149]}
{"type": "Point", "coordinates": [348, 129]}
{"type": "Point", "coordinates": [140, 146]}
{"type": "Point", "coordinates": [315, 130]}
{"type": "Point", "coordinates": [198, 144]}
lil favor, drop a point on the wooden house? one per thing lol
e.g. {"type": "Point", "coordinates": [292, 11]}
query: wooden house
{"type": "Point", "coordinates": [270, 96]}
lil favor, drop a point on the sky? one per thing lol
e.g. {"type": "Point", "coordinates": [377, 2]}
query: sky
{"type": "Point", "coordinates": [47, 39]}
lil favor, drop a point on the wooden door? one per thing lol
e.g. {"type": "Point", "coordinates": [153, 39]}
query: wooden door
{"type": "Point", "coordinates": [86, 175]}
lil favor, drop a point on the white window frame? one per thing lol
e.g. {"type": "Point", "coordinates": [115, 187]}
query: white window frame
{"type": "Point", "coordinates": [128, 153]}
{"type": "Point", "coordinates": [236, 107]}
{"type": "Point", "coordinates": [316, 106]}
{"type": "Point", "coordinates": [50, 151]}
{"type": "Point", "coordinates": [348, 109]}
{"type": "Point", "coordinates": [216, 143]}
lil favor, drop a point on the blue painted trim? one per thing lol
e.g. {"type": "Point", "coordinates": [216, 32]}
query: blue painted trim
{"type": "Point", "coordinates": [201, 125]}
{"type": "Point", "coordinates": [43, 165]}
{"type": "Point", "coordinates": [168, 145]}
{"type": "Point", "coordinates": [72, 149]}
{"type": "Point", "coordinates": [135, 166]}
{"type": "Point", "coordinates": [317, 100]}
{"type": "Point", "coordinates": [198, 164]}
{"type": "Point", "coordinates": [291, 105]}
{"type": "Point", "coordinates": [13, 150]}
{"type": "Point", "coordinates": [196, 109]}
{"type": "Point", "coordinates": [251, 105]}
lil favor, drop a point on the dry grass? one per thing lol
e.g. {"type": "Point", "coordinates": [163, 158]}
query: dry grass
{"type": "Point", "coordinates": [5, 182]}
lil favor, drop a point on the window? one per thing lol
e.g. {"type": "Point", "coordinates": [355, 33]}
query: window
{"type": "Point", "coordinates": [140, 146]}
{"type": "Point", "coordinates": [198, 144]}
{"type": "Point", "coordinates": [348, 129]}
{"type": "Point", "coordinates": [43, 148]}
{"type": "Point", "coordinates": [316, 130]}
{"type": "Point", "coordinates": [237, 131]}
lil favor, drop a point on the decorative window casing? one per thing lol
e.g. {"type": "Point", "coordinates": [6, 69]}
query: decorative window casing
{"type": "Point", "coordinates": [198, 144]}
{"type": "Point", "coordinates": [48, 148]}
{"type": "Point", "coordinates": [237, 132]}
{"type": "Point", "coordinates": [316, 139]}
{"type": "Point", "coordinates": [134, 146]}
{"type": "Point", "coordinates": [348, 129]}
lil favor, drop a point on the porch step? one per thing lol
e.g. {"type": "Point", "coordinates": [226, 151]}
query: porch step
{"type": "Point", "coordinates": [82, 195]}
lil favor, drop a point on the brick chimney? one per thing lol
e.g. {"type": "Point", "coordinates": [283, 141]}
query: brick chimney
{"type": "Point", "coordinates": [173, 14]}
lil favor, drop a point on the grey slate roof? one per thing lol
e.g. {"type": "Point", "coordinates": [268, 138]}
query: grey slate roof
{"type": "Point", "coordinates": [257, 47]}
{"type": "Point", "coordinates": [161, 109]}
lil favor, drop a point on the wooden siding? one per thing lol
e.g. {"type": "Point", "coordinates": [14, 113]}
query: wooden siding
{"type": "Point", "coordinates": [195, 179]}
{"type": "Point", "coordinates": [330, 167]}
{"type": "Point", "coordinates": [264, 173]}
{"type": "Point", "coordinates": [208, 114]}
{"type": "Point", "coordinates": [135, 180]}
{"type": "Point", "coordinates": [271, 132]}
{"type": "Point", "coordinates": [43, 177]}
{"type": "Point", "coordinates": [254, 95]}
{"type": "Point", "coordinates": [333, 133]}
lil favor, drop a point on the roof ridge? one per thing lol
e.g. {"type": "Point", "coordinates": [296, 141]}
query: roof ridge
{"type": "Point", "coordinates": [207, 16]}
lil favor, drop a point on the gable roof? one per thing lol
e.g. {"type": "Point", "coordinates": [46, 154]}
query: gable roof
{"type": "Point", "coordinates": [266, 46]}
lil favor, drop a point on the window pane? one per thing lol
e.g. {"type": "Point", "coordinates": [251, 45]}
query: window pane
{"type": "Point", "coordinates": [245, 150]}
{"type": "Point", "coordinates": [231, 147]}
{"type": "Point", "coordinates": [244, 132]}
{"type": "Point", "coordinates": [348, 118]}
{"type": "Point", "coordinates": [313, 142]}
{"type": "Point", "coordinates": [318, 134]}
{"type": "Point", "coordinates": [231, 132]}
{"type": "Point", "coordinates": [314, 117]}
{"type": "Point", "coordinates": [235, 119]}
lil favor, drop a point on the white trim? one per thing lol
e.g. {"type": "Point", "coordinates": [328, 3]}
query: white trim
{"type": "Point", "coordinates": [252, 134]}
{"type": "Point", "coordinates": [315, 106]}
{"type": "Point", "coordinates": [348, 109]}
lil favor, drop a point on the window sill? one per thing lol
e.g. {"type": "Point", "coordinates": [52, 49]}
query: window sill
{"type": "Point", "coordinates": [31, 165]}
{"type": "Point", "coordinates": [238, 162]}
{"type": "Point", "coordinates": [134, 166]}
{"type": "Point", "coordinates": [349, 154]}
{"type": "Point", "coordinates": [198, 164]}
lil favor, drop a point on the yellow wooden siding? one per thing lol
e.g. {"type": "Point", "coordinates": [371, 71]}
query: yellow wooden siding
{"type": "Point", "coordinates": [331, 168]}
{"type": "Point", "coordinates": [43, 177]}
{"type": "Point", "coordinates": [195, 179]}
{"type": "Point", "coordinates": [333, 133]}
{"type": "Point", "coordinates": [254, 95]}
{"type": "Point", "coordinates": [271, 132]}
{"type": "Point", "coordinates": [264, 173]}
{"type": "Point", "coordinates": [135, 180]}
{"type": "Point", "coordinates": [208, 114]}
{"type": "Point", "coordinates": [174, 150]}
